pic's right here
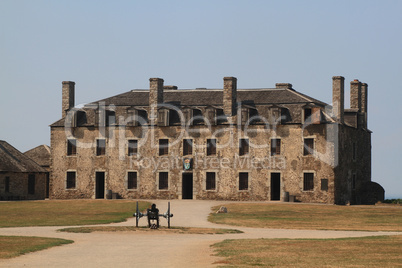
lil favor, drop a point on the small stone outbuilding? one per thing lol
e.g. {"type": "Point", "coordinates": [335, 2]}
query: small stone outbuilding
{"type": "Point", "coordinates": [21, 178]}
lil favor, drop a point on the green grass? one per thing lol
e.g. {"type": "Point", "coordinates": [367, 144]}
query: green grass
{"type": "Point", "coordinates": [379, 251]}
{"type": "Point", "coordinates": [173, 229]}
{"type": "Point", "coordinates": [313, 217]}
{"type": "Point", "coordinates": [66, 212]}
{"type": "Point", "coordinates": [13, 246]}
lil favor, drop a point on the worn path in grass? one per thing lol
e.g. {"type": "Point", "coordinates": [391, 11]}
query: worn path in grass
{"type": "Point", "coordinates": [151, 249]}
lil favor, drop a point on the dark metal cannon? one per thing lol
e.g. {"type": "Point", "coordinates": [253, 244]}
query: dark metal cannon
{"type": "Point", "coordinates": [153, 215]}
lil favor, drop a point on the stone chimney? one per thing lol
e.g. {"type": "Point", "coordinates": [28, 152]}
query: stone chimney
{"type": "Point", "coordinates": [338, 98]}
{"type": "Point", "coordinates": [283, 85]}
{"type": "Point", "coordinates": [364, 103]}
{"type": "Point", "coordinates": [355, 95]}
{"type": "Point", "coordinates": [68, 93]}
{"type": "Point", "coordinates": [155, 98]}
{"type": "Point", "coordinates": [229, 95]}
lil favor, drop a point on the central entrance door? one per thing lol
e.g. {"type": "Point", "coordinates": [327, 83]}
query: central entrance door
{"type": "Point", "coordinates": [187, 184]}
{"type": "Point", "coordinates": [275, 186]}
{"type": "Point", "coordinates": [100, 185]}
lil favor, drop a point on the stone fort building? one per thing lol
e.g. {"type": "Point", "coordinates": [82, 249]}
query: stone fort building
{"type": "Point", "coordinates": [226, 144]}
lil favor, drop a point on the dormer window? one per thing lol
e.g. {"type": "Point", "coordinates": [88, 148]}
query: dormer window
{"type": "Point", "coordinates": [110, 118]}
{"type": "Point", "coordinates": [249, 115]}
{"type": "Point", "coordinates": [215, 116]}
{"type": "Point", "coordinates": [137, 117]}
{"type": "Point", "coordinates": [197, 118]}
{"type": "Point", "coordinates": [312, 115]}
{"type": "Point", "coordinates": [279, 115]}
{"type": "Point", "coordinates": [163, 117]}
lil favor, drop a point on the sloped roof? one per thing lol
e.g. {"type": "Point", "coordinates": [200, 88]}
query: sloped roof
{"type": "Point", "coordinates": [12, 160]}
{"type": "Point", "coordinates": [211, 97]}
{"type": "Point", "coordinates": [40, 154]}
{"type": "Point", "coordinates": [205, 97]}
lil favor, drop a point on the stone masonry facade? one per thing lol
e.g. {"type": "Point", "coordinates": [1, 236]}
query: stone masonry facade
{"type": "Point", "coordinates": [217, 144]}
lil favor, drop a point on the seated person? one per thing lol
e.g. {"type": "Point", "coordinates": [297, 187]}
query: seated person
{"type": "Point", "coordinates": [153, 214]}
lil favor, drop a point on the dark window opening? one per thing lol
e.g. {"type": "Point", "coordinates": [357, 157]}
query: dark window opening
{"type": "Point", "coordinates": [243, 181]}
{"type": "Point", "coordinates": [187, 146]}
{"type": "Point", "coordinates": [71, 179]}
{"type": "Point", "coordinates": [308, 147]}
{"type": "Point", "coordinates": [307, 115]}
{"type": "Point", "coordinates": [142, 117]}
{"type": "Point", "coordinates": [174, 118]}
{"type": "Point", "coordinates": [7, 185]}
{"type": "Point", "coordinates": [211, 181]}
{"type": "Point", "coordinates": [220, 117]}
{"type": "Point", "coordinates": [132, 180]}
{"type": "Point", "coordinates": [324, 184]}
{"type": "Point", "coordinates": [163, 180]}
{"type": "Point", "coordinates": [243, 147]}
{"type": "Point", "coordinates": [197, 118]}
{"type": "Point", "coordinates": [308, 182]}
{"type": "Point", "coordinates": [110, 118]}
{"type": "Point", "coordinates": [163, 147]}
{"type": "Point", "coordinates": [275, 147]}
{"type": "Point", "coordinates": [31, 184]}
{"type": "Point", "coordinates": [100, 147]}
{"type": "Point", "coordinates": [71, 147]}
{"type": "Point", "coordinates": [211, 147]}
{"type": "Point", "coordinates": [132, 147]}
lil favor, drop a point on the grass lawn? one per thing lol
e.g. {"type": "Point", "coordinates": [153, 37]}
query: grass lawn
{"type": "Point", "coordinates": [13, 246]}
{"type": "Point", "coordinates": [379, 251]}
{"type": "Point", "coordinates": [313, 217]}
{"type": "Point", "coordinates": [66, 212]}
{"type": "Point", "coordinates": [162, 229]}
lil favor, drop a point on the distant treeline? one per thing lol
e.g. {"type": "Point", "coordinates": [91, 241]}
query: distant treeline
{"type": "Point", "coordinates": [393, 201]}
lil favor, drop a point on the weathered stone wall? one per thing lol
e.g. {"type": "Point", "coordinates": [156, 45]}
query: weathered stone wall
{"type": "Point", "coordinates": [18, 187]}
{"type": "Point", "coordinates": [227, 163]}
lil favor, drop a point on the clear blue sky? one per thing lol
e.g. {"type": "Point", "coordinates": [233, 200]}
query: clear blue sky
{"type": "Point", "coordinates": [110, 47]}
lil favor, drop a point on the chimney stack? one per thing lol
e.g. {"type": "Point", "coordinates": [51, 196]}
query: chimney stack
{"type": "Point", "coordinates": [229, 95]}
{"type": "Point", "coordinates": [155, 98]}
{"type": "Point", "coordinates": [68, 93]}
{"type": "Point", "coordinates": [338, 98]}
{"type": "Point", "coordinates": [355, 95]}
{"type": "Point", "coordinates": [364, 103]}
{"type": "Point", "coordinates": [283, 85]}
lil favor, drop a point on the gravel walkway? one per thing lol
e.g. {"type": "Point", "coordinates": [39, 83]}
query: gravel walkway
{"type": "Point", "coordinates": [132, 249]}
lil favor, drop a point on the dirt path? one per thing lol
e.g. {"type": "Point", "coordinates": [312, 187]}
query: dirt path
{"type": "Point", "coordinates": [132, 249]}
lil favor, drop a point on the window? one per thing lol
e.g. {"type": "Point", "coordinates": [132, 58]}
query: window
{"type": "Point", "coordinates": [354, 151]}
{"type": "Point", "coordinates": [163, 180]}
{"type": "Point", "coordinates": [307, 115]}
{"type": "Point", "coordinates": [243, 181]}
{"type": "Point", "coordinates": [163, 147]}
{"type": "Point", "coordinates": [132, 180]}
{"type": "Point", "coordinates": [211, 181]}
{"type": "Point", "coordinates": [243, 147]}
{"type": "Point", "coordinates": [71, 147]}
{"type": "Point", "coordinates": [308, 147]}
{"type": "Point", "coordinates": [308, 182]}
{"type": "Point", "coordinates": [211, 147]}
{"type": "Point", "coordinates": [71, 177]}
{"type": "Point", "coordinates": [197, 118]}
{"type": "Point", "coordinates": [132, 147]}
{"type": "Point", "coordinates": [275, 147]}
{"type": "Point", "coordinates": [100, 147]}
{"type": "Point", "coordinates": [31, 184]}
{"type": "Point", "coordinates": [7, 185]}
{"type": "Point", "coordinates": [110, 118]}
{"type": "Point", "coordinates": [324, 184]}
{"type": "Point", "coordinates": [187, 146]}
